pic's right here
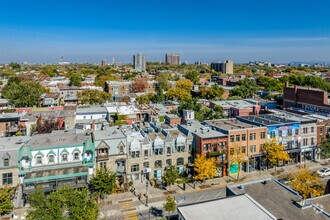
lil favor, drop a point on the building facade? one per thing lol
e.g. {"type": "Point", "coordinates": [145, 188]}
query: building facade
{"type": "Point", "coordinates": [139, 62]}
{"type": "Point", "coordinates": [172, 59]}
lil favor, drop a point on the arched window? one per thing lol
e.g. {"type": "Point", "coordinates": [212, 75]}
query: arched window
{"type": "Point", "coordinates": [51, 158]}
{"type": "Point", "coordinates": [146, 165]}
{"type": "Point", "coordinates": [64, 157]}
{"type": "Point", "coordinates": [169, 162]}
{"type": "Point", "coordinates": [135, 167]}
{"type": "Point", "coordinates": [158, 164]}
{"type": "Point", "coordinates": [180, 161]}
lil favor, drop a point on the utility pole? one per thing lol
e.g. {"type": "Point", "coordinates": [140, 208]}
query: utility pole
{"type": "Point", "coordinates": [147, 194]}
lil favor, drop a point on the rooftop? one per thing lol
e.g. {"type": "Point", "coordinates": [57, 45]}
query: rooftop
{"type": "Point", "coordinates": [236, 207]}
{"type": "Point", "coordinates": [58, 138]}
{"type": "Point", "coordinates": [233, 104]}
{"type": "Point", "coordinates": [108, 133]}
{"type": "Point", "coordinates": [12, 143]}
{"type": "Point", "coordinates": [266, 120]}
{"type": "Point", "coordinates": [202, 131]}
{"type": "Point", "coordinates": [230, 124]}
{"type": "Point", "coordinates": [280, 204]}
{"type": "Point", "coordinates": [292, 116]}
{"type": "Point", "coordinates": [91, 110]}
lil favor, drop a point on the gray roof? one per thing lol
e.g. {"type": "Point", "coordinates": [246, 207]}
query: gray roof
{"type": "Point", "coordinates": [9, 148]}
{"type": "Point", "coordinates": [266, 120]}
{"type": "Point", "coordinates": [202, 131]}
{"type": "Point", "coordinates": [92, 110]}
{"type": "Point", "coordinates": [9, 115]}
{"type": "Point", "coordinates": [58, 138]}
{"type": "Point", "coordinates": [277, 199]}
{"type": "Point", "coordinates": [109, 133]}
{"type": "Point", "coordinates": [229, 124]}
{"type": "Point", "coordinates": [237, 207]}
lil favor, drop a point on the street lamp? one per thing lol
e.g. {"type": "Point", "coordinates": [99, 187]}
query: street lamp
{"type": "Point", "coordinates": [147, 193]}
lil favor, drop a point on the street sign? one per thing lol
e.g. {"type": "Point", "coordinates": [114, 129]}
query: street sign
{"type": "Point", "coordinates": [146, 170]}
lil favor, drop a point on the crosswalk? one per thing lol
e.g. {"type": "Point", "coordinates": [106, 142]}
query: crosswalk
{"type": "Point", "coordinates": [127, 209]}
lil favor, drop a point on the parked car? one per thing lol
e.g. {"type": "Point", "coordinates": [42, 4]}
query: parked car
{"type": "Point", "coordinates": [324, 172]}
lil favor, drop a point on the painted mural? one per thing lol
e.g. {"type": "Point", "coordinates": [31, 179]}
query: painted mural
{"type": "Point", "coordinates": [288, 135]}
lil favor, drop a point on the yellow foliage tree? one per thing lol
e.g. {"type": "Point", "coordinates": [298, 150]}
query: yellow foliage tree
{"type": "Point", "coordinates": [239, 158]}
{"type": "Point", "coordinates": [306, 184]}
{"type": "Point", "coordinates": [179, 94]}
{"type": "Point", "coordinates": [205, 168]}
{"type": "Point", "coordinates": [275, 152]}
{"type": "Point", "coordinates": [184, 84]}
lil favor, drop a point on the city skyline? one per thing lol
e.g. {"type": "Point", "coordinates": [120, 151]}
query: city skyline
{"type": "Point", "coordinates": [213, 31]}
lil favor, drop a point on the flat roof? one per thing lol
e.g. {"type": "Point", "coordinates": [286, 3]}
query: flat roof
{"type": "Point", "coordinates": [266, 120]}
{"type": "Point", "coordinates": [91, 110]}
{"type": "Point", "coordinates": [58, 138]}
{"type": "Point", "coordinates": [12, 143]}
{"type": "Point", "coordinates": [112, 132]}
{"type": "Point", "coordinates": [276, 198]}
{"type": "Point", "coordinates": [236, 207]}
{"type": "Point", "coordinates": [230, 124]}
{"type": "Point", "coordinates": [201, 130]}
{"type": "Point", "coordinates": [234, 104]}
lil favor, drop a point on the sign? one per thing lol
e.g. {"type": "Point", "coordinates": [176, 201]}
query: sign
{"type": "Point", "coordinates": [233, 168]}
{"type": "Point", "coordinates": [146, 170]}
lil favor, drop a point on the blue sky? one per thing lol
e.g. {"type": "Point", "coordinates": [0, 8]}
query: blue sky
{"type": "Point", "coordinates": [88, 31]}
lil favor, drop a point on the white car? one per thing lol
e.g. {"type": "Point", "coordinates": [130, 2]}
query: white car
{"type": "Point", "coordinates": [324, 172]}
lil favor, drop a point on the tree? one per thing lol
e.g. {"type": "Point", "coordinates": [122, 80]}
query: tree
{"type": "Point", "coordinates": [179, 94]}
{"type": "Point", "coordinates": [159, 96]}
{"type": "Point", "coordinates": [162, 81]}
{"type": "Point", "coordinates": [6, 194]}
{"type": "Point", "coordinates": [325, 148]}
{"type": "Point", "coordinates": [144, 99]}
{"type": "Point", "coordinates": [275, 152]}
{"type": "Point", "coordinates": [205, 168]}
{"type": "Point", "coordinates": [62, 204]}
{"type": "Point", "coordinates": [92, 97]}
{"type": "Point", "coordinates": [49, 70]}
{"type": "Point", "coordinates": [184, 84]}
{"type": "Point", "coordinates": [169, 204]}
{"type": "Point", "coordinates": [23, 93]}
{"type": "Point", "coordinates": [237, 158]}
{"type": "Point", "coordinates": [212, 92]}
{"type": "Point", "coordinates": [170, 176]}
{"type": "Point", "coordinates": [246, 88]}
{"type": "Point", "coordinates": [139, 85]}
{"type": "Point", "coordinates": [306, 184]}
{"type": "Point", "coordinates": [193, 76]}
{"type": "Point", "coordinates": [103, 182]}
{"type": "Point", "coordinates": [75, 79]}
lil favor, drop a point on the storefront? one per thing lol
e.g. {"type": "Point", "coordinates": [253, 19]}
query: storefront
{"type": "Point", "coordinates": [294, 156]}
{"type": "Point", "coordinates": [308, 153]}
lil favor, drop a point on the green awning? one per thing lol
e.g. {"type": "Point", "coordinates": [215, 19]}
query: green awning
{"type": "Point", "coordinates": [54, 177]}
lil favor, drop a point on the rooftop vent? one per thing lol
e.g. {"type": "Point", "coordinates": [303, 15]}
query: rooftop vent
{"type": "Point", "coordinates": [241, 187]}
{"type": "Point", "coordinates": [264, 182]}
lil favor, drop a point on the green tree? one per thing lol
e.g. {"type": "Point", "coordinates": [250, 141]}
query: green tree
{"type": "Point", "coordinates": [213, 92]}
{"type": "Point", "coordinates": [170, 176]}
{"type": "Point", "coordinates": [93, 97]}
{"type": "Point", "coordinates": [6, 193]}
{"type": "Point", "coordinates": [49, 70]}
{"type": "Point", "coordinates": [23, 94]}
{"type": "Point", "coordinates": [162, 81]}
{"type": "Point", "coordinates": [246, 88]}
{"type": "Point", "coordinates": [103, 183]}
{"type": "Point", "coordinates": [193, 77]}
{"type": "Point", "coordinates": [63, 204]}
{"type": "Point", "coordinates": [325, 148]}
{"type": "Point", "coordinates": [159, 96]}
{"type": "Point", "coordinates": [75, 79]}
{"type": "Point", "coordinates": [169, 204]}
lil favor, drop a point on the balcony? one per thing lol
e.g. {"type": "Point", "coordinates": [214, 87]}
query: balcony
{"type": "Point", "coordinates": [102, 157]}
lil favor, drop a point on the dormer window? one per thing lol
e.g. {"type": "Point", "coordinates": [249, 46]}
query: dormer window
{"type": "Point", "coordinates": [51, 158]}
{"type": "Point", "coordinates": [6, 162]}
{"type": "Point", "coordinates": [76, 156]}
{"type": "Point", "coordinates": [39, 160]}
{"type": "Point", "coordinates": [64, 157]}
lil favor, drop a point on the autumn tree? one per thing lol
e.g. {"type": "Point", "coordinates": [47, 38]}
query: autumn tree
{"type": "Point", "coordinates": [179, 94]}
{"type": "Point", "coordinates": [139, 85]}
{"type": "Point", "coordinates": [170, 176]}
{"type": "Point", "coordinates": [75, 79]}
{"type": "Point", "coordinates": [275, 152]}
{"type": "Point", "coordinates": [169, 204]}
{"type": "Point", "coordinates": [49, 70]}
{"type": "Point", "coordinates": [306, 183]}
{"type": "Point", "coordinates": [6, 194]}
{"type": "Point", "coordinates": [103, 182]}
{"type": "Point", "coordinates": [184, 84]}
{"type": "Point", "coordinates": [205, 168]}
{"type": "Point", "coordinates": [237, 158]}
{"type": "Point", "coordinates": [193, 76]}
{"type": "Point", "coordinates": [162, 81]}
{"type": "Point", "coordinates": [213, 92]}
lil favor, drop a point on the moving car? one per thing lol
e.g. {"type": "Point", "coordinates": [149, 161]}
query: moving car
{"type": "Point", "coordinates": [324, 172]}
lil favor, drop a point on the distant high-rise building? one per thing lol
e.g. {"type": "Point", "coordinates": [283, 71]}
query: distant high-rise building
{"type": "Point", "coordinates": [139, 62]}
{"type": "Point", "coordinates": [226, 67]}
{"type": "Point", "coordinates": [103, 62]}
{"type": "Point", "coordinates": [172, 59]}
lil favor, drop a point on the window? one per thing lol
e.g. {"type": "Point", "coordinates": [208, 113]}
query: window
{"type": "Point", "coordinates": [243, 150]}
{"type": "Point", "coordinates": [168, 150]}
{"type": "Point", "coordinates": [312, 129]}
{"type": "Point", "coordinates": [169, 162]}
{"type": "Point", "coordinates": [280, 133]}
{"type": "Point", "coordinates": [297, 131]}
{"type": "Point", "coordinates": [158, 164]}
{"type": "Point", "coordinates": [243, 137]}
{"type": "Point", "coordinates": [215, 147]}
{"type": "Point", "coordinates": [305, 131]}
{"type": "Point", "coordinates": [180, 161]}
{"type": "Point", "coordinates": [146, 153]}
{"type": "Point", "coordinates": [146, 165]}
{"type": "Point", "coordinates": [39, 160]}
{"type": "Point", "coordinates": [252, 136]}
{"type": "Point", "coordinates": [181, 148]}
{"type": "Point", "coordinates": [289, 132]}
{"type": "Point", "coordinates": [135, 154]}
{"type": "Point", "coordinates": [231, 151]}
{"type": "Point", "coordinates": [65, 157]}
{"type": "Point", "coordinates": [207, 147]}
{"type": "Point", "coordinates": [253, 149]}
{"type": "Point", "coordinates": [304, 141]}
{"type": "Point", "coordinates": [103, 165]}
{"type": "Point", "coordinates": [272, 134]}
{"type": "Point", "coordinates": [262, 135]}
{"type": "Point", "coordinates": [312, 141]}
{"type": "Point", "coordinates": [6, 162]}
{"type": "Point", "coordinates": [135, 167]}
{"type": "Point", "coordinates": [238, 137]}
{"type": "Point", "coordinates": [231, 138]}
{"type": "Point", "coordinates": [223, 145]}
{"type": "Point", "coordinates": [7, 178]}
{"type": "Point", "coordinates": [121, 149]}
{"type": "Point", "coordinates": [51, 158]}
{"type": "Point", "coordinates": [158, 151]}
{"type": "Point", "coordinates": [76, 156]}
